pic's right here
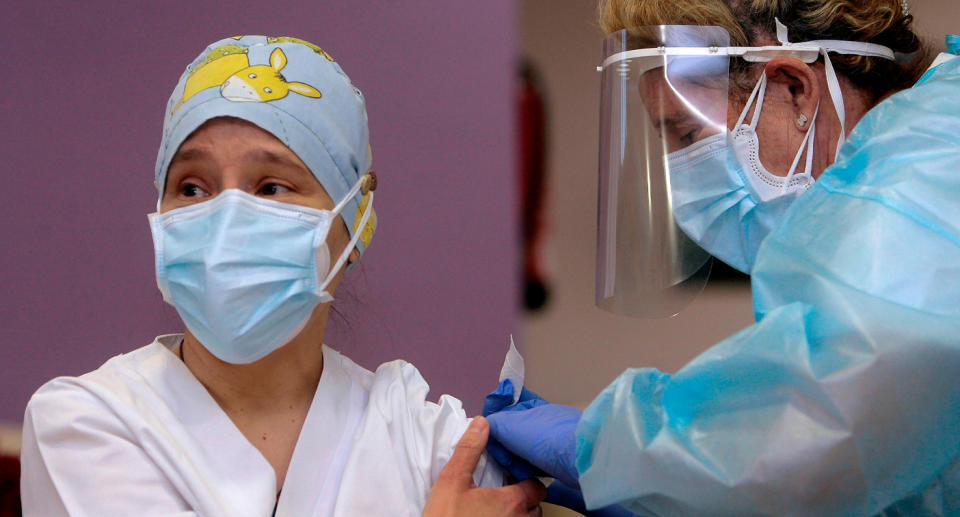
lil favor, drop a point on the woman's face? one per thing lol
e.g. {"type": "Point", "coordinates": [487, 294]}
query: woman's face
{"type": "Point", "coordinates": [228, 153]}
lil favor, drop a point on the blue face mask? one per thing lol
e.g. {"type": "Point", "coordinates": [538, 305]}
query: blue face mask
{"type": "Point", "coordinates": [245, 273]}
{"type": "Point", "coordinates": [723, 197]}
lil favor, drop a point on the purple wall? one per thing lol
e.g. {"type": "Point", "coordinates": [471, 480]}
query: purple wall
{"type": "Point", "coordinates": [84, 87]}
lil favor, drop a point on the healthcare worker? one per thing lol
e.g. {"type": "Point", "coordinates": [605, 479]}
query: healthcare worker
{"type": "Point", "coordinates": [812, 145]}
{"type": "Point", "coordinates": [265, 196]}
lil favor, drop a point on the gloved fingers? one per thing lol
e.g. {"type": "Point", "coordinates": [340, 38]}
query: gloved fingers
{"type": "Point", "coordinates": [499, 398]}
{"type": "Point", "coordinates": [544, 436]}
{"type": "Point", "coordinates": [526, 404]}
{"type": "Point", "coordinates": [528, 394]}
{"type": "Point", "coordinates": [519, 406]}
{"type": "Point", "coordinates": [518, 468]}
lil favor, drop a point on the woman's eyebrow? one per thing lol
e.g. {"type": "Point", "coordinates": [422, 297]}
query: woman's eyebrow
{"type": "Point", "coordinates": [188, 154]}
{"type": "Point", "coordinates": [264, 155]}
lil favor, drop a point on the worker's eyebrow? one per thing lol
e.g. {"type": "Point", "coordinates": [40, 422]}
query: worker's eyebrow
{"type": "Point", "coordinates": [671, 120]}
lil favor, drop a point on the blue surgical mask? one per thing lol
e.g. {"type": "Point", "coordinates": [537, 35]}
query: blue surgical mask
{"type": "Point", "coordinates": [245, 273]}
{"type": "Point", "coordinates": [723, 197]}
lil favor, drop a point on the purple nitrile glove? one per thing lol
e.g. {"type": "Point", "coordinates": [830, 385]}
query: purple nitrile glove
{"type": "Point", "coordinates": [501, 399]}
{"type": "Point", "coordinates": [500, 402]}
{"type": "Point", "coordinates": [535, 433]}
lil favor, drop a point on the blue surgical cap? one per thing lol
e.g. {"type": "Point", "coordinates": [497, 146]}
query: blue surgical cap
{"type": "Point", "coordinates": [289, 87]}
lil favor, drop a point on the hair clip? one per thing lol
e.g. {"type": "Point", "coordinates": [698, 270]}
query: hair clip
{"type": "Point", "coordinates": [368, 182]}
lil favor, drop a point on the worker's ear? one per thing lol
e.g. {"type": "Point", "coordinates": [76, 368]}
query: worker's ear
{"type": "Point", "coordinates": [354, 256]}
{"type": "Point", "coordinates": [799, 85]}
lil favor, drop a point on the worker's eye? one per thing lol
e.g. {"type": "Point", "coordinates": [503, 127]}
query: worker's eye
{"type": "Point", "coordinates": [272, 189]}
{"type": "Point", "coordinates": [690, 135]}
{"type": "Point", "coordinates": [192, 190]}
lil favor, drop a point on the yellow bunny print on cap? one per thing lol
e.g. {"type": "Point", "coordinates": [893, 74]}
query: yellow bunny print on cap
{"type": "Point", "coordinates": [264, 83]}
{"type": "Point", "coordinates": [241, 82]}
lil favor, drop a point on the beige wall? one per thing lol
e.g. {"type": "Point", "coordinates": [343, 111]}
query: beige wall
{"type": "Point", "coordinates": [936, 18]}
{"type": "Point", "coordinates": [9, 439]}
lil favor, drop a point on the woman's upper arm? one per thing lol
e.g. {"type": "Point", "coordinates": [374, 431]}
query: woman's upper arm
{"type": "Point", "coordinates": [78, 458]}
{"type": "Point", "coordinates": [433, 429]}
{"type": "Point", "coordinates": [444, 422]}
{"type": "Point", "coordinates": [487, 474]}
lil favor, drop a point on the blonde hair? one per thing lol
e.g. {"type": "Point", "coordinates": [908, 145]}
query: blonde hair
{"type": "Point", "coordinates": [751, 22]}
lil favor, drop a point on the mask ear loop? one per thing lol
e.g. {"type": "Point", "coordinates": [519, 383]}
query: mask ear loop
{"type": "Point", "coordinates": [761, 90]}
{"type": "Point", "coordinates": [833, 85]}
{"type": "Point", "coordinates": [364, 219]}
{"type": "Point", "coordinates": [808, 142]}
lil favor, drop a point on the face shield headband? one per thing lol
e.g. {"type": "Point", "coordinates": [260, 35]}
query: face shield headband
{"type": "Point", "coordinates": [658, 101]}
{"type": "Point", "coordinates": [806, 51]}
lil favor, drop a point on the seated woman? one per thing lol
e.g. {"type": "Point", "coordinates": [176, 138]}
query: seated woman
{"type": "Point", "coordinates": [265, 197]}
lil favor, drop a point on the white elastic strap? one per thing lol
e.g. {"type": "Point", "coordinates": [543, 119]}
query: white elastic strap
{"type": "Point", "coordinates": [834, 86]}
{"type": "Point", "coordinates": [808, 144]}
{"type": "Point", "coordinates": [350, 195]}
{"type": "Point", "coordinates": [860, 48]}
{"type": "Point", "coordinates": [760, 96]}
{"type": "Point", "coordinates": [761, 90]}
{"type": "Point", "coordinates": [783, 33]}
{"type": "Point", "coordinates": [356, 236]}
{"type": "Point", "coordinates": [857, 48]}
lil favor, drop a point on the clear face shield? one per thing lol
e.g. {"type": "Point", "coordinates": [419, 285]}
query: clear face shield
{"type": "Point", "coordinates": [664, 89]}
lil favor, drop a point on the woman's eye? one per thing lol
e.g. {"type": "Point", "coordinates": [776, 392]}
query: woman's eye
{"type": "Point", "coordinates": [192, 190]}
{"type": "Point", "coordinates": [688, 138]}
{"type": "Point", "coordinates": [272, 189]}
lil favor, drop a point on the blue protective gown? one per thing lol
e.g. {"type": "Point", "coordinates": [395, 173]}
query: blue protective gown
{"type": "Point", "coordinates": [844, 397]}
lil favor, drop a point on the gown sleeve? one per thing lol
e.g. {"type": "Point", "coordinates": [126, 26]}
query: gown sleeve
{"type": "Point", "coordinates": [843, 398]}
{"type": "Point", "coordinates": [79, 459]}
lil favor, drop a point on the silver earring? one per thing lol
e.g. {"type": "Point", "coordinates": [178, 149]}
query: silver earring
{"type": "Point", "coordinates": [802, 121]}
{"type": "Point", "coordinates": [905, 7]}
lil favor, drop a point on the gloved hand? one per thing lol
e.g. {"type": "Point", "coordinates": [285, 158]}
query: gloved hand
{"type": "Point", "coordinates": [535, 432]}
{"type": "Point", "coordinates": [501, 399]}
{"type": "Point", "coordinates": [499, 406]}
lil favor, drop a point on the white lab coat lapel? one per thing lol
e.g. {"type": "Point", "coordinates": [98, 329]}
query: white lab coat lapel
{"type": "Point", "coordinates": [222, 469]}
{"type": "Point", "coordinates": [313, 477]}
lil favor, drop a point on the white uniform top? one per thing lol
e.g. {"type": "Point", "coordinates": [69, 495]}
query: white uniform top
{"type": "Point", "coordinates": [141, 436]}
